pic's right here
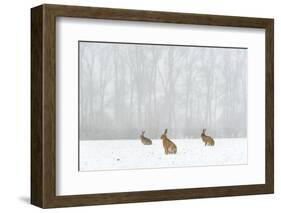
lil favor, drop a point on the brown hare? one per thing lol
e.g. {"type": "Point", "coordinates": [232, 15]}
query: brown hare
{"type": "Point", "coordinates": [169, 146]}
{"type": "Point", "coordinates": [145, 140]}
{"type": "Point", "coordinates": [207, 139]}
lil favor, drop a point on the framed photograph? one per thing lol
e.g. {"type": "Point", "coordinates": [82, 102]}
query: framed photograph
{"type": "Point", "coordinates": [136, 106]}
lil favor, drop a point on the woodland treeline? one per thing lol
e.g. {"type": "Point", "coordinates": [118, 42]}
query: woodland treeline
{"type": "Point", "coordinates": [127, 88]}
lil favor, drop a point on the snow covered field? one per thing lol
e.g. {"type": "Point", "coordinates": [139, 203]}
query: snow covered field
{"type": "Point", "coordinates": [132, 154]}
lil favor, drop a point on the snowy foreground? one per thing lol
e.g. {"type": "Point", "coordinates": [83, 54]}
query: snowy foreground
{"type": "Point", "coordinates": [132, 154]}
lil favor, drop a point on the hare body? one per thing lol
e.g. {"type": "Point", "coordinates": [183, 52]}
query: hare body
{"type": "Point", "coordinates": [145, 140]}
{"type": "Point", "coordinates": [207, 139]}
{"type": "Point", "coordinates": [169, 146]}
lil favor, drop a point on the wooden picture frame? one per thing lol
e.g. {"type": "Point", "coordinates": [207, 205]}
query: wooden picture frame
{"type": "Point", "coordinates": [43, 105]}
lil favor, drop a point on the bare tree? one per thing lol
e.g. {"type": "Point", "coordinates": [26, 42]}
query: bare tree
{"type": "Point", "coordinates": [127, 88]}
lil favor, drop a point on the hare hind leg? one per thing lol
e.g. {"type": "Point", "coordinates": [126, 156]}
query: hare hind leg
{"type": "Point", "coordinates": [172, 150]}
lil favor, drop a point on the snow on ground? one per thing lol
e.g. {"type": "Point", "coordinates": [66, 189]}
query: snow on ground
{"type": "Point", "coordinates": [132, 154]}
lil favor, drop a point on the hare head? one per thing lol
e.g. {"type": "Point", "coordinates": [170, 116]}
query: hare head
{"type": "Point", "coordinates": [142, 133]}
{"type": "Point", "coordinates": [164, 135]}
{"type": "Point", "coordinates": [204, 131]}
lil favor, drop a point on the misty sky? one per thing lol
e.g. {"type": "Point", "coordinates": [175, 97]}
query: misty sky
{"type": "Point", "coordinates": [127, 88]}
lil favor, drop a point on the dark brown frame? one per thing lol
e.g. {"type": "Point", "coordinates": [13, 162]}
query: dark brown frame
{"type": "Point", "coordinates": [43, 105]}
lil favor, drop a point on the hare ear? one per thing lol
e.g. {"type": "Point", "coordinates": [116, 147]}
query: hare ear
{"type": "Point", "coordinates": [165, 132]}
